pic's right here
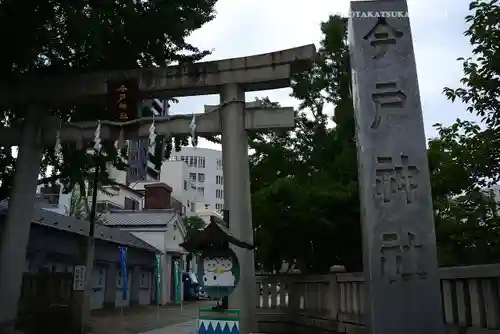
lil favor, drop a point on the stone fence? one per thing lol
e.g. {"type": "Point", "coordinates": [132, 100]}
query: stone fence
{"type": "Point", "coordinates": [335, 302]}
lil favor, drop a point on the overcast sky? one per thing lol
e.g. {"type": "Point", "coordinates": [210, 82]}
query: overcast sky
{"type": "Point", "coordinates": [247, 27]}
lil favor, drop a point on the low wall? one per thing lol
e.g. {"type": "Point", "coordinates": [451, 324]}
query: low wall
{"type": "Point", "coordinates": [335, 303]}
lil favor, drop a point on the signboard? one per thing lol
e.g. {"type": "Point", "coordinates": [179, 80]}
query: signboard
{"type": "Point", "coordinates": [79, 278]}
{"type": "Point", "coordinates": [219, 273]}
{"type": "Point", "coordinates": [123, 103]}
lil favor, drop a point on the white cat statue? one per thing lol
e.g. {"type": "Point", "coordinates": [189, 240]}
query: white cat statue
{"type": "Point", "coordinates": [210, 275]}
{"type": "Point", "coordinates": [225, 277]}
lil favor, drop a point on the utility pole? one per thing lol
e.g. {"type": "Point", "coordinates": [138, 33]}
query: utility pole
{"type": "Point", "coordinates": [122, 106]}
{"type": "Point", "coordinates": [82, 298]}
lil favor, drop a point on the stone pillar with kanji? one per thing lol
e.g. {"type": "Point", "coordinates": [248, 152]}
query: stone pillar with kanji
{"type": "Point", "coordinates": [399, 242]}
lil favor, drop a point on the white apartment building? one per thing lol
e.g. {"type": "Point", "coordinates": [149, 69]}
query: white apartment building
{"type": "Point", "coordinates": [205, 171]}
{"type": "Point", "coordinates": [176, 175]}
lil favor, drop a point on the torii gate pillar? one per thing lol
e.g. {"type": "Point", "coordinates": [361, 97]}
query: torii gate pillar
{"type": "Point", "coordinates": [16, 229]}
{"type": "Point", "coordinates": [237, 199]}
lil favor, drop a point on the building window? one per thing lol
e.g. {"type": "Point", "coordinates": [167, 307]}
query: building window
{"type": "Point", "coordinates": [131, 204]}
{"type": "Point", "coordinates": [219, 164]}
{"type": "Point", "coordinates": [191, 161]}
{"type": "Point", "coordinates": [192, 177]}
{"type": "Point", "coordinates": [100, 207]}
{"type": "Point", "coordinates": [219, 179]}
{"type": "Point", "coordinates": [219, 193]}
{"type": "Point", "coordinates": [218, 206]}
{"type": "Point", "coordinates": [104, 206]}
{"type": "Point", "coordinates": [201, 191]}
{"type": "Point", "coordinates": [185, 185]}
{"type": "Point", "coordinates": [201, 162]}
{"type": "Point", "coordinates": [201, 177]}
{"type": "Point", "coordinates": [207, 206]}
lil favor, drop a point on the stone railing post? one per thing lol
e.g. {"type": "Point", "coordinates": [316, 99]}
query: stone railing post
{"type": "Point", "coordinates": [293, 297]}
{"type": "Point", "coordinates": [333, 297]}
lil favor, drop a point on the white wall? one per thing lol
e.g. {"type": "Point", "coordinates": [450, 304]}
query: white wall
{"type": "Point", "coordinates": [173, 238]}
{"type": "Point", "coordinates": [167, 241]}
{"type": "Point", "coordinates": [118, 197]}
{"type": "Point", "coordinates": [210, 171]}
{"type": "Point", "coordinates": [154, 238]}
{"type": "Point", "coordinates": [118, 175]}
{"type": "Point", "coordinates": [63, 205]}
{"type": "Point", "coordinates": [176, 175]}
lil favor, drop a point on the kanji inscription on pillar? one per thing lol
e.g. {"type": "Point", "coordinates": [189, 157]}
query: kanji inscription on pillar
{"type": "Point", "coordinates": [401, 259]}
{"type": "Point", "coordinates": [386, 96]}
{"type": "Point", "coordinates": [381, 36]}
{"type": "Point", "coordinates": [394, 178]}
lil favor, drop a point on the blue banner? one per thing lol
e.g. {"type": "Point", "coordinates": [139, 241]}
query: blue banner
{"type": "Point", "coordinates": [123, 261]}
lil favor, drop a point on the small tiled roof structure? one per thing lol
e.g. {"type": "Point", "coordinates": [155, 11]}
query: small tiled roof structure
{"type": "Point", "coordinates": [82, 227]}
{"type": "Point", "coordinates": [215, 233]}
{"type": "Point", "coordinates": [148, 217]}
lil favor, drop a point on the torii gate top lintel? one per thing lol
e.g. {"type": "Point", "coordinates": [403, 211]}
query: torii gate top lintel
{"type": "Point", "coordinates": [257, 72]}
{"type": "Point", "coordinates": [208, 123]}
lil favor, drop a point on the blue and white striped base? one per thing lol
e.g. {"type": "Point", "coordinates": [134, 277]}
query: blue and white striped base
{"type": "Point", "coordinates": [218, 327]}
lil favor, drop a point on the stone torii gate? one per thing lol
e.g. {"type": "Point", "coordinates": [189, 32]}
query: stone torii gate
{"type": "Point", "coordinates": [230, 78]}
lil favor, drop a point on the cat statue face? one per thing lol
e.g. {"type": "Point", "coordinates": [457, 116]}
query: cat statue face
{"type": "Point", "coordinates": [225, 265]}
{"type": "Point", "coordinates": [210, 265]}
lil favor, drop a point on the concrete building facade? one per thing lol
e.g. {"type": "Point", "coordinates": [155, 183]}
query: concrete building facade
{"type": "Point", "coordinates": [205, 171]}
{"type": "Point", "coordinates": [138, 149]}
{"type": "Point", "coordinates": [54, 247]}
{"type": "Point", "coordinates": [158, 225]}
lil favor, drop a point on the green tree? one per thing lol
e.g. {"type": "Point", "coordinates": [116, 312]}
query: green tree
{"type": "Point", "coordinates": [80, 202]}
{"type": "Point", "coordinates": [193, 225]}
{"type": "Point", "coordinates": [304, 182]}
{"type": "Point", "coordinates": [480, 91]}
{"type": "Point", "coordinates": [63, 38]}
{"type": "Point", "coordinates": [465, 158]}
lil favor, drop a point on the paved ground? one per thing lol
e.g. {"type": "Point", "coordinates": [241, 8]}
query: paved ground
{"type": "Point", "coordinates": [189, 327]}
{"type": "Point", "coordinates": [148, 319]}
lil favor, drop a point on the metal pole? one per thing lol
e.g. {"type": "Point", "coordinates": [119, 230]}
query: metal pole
{"type": "Point", "coordinates": [94, 196]}
{"type": "Point", "coordinates": [90, 249]}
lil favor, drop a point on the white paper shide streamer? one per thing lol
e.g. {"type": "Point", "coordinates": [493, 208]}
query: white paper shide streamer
{"type": "Point", "coordinates": [192, 126]}
{"type": "Point", "coordinates": [151, 166]}
{"type": "Point", "coordinates": [57, 146]}
{"type": "Point", "coordinates": [97, 137]}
